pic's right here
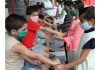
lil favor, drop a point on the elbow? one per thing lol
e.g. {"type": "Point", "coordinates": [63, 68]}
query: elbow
{"type": "Point", "coordinates": [31, 55]}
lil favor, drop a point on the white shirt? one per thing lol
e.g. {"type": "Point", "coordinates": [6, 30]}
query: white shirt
{"type": "Point", "coordinates": [13, 61]}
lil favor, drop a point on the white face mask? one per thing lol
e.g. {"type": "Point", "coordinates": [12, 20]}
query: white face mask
{"type": "Point", "coordinates": [63, 7]}
{"type": "Point", "coordinates": [85, 25]}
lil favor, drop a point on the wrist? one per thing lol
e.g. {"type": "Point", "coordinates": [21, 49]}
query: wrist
{"type": "Point", "coordinates": [54, 64]}
{"type": "Point", "coordinates": [64, 66]}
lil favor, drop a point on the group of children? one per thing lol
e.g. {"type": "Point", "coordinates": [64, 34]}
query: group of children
{"type": "Point", "coordinates": [24, 50]}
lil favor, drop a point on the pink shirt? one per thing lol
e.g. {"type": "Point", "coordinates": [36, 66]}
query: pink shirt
{"type": "Point", "coordinates": [74, 35]}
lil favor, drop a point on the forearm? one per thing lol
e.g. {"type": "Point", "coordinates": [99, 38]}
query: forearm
{"type": "Point", "coordinates": [40, 57]}
{"type": "Point", "coordinates": [27, 59]}
{"type": "Point", "coordinates": [74, 64]}
{"type": "Point", "coordinates": [22, 50]}
{"type": "Point", "coordinates": [50, 30]}
{"type": "Point", "coordinates": [48, 23]}
{"type": "Point", "coordinates": [61, 38]}
{"type": "Point", "coordinates": [49, 20]}
{"type": "Point", "coordinates": [80, 60]}
{"type": "Point", "coordinates": [53, 31]}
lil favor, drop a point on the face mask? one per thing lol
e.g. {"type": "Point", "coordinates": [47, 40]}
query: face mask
{"type": "Point", "coordinates": [66, 9]}
{"type": "Point", "coordinates": [86, 26]}
{"type": "Point", "coordinates": [34, 18]}
{"type": "Point", "coordinates": [21, 34]}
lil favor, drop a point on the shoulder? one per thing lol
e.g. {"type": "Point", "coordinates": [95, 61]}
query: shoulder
{"type": "Point", "coordinates": [90, 44]}
{"type": "Point", "coordinates": [11, 41]}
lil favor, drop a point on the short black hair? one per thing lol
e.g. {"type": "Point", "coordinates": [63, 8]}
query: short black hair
{"type": "Point", "coordinates": [14, 21]}
{"type": "Point", "coordinates": [41, 16]}
{"type": "Point", "coordinates": [42, 5]}
{"type": "Point", "coordinates": [60, 1]}
{"type": "Point", "coordinates": [31, 9]}
{"type": "Point", "coordinates": [38, 3]}
{"type": "Point", "coordinates": [89, 13]}
{"type": "Point", "coordinates": [69, 3]}
{"type": "Point", "coordinates": [79, 6]}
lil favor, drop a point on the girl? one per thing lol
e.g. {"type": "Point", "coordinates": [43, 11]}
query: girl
{"type": "Point", "coordinates": [86, 48]}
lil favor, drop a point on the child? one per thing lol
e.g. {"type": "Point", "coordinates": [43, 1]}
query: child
{"type": "Point", "coordinates": [60, 14]}
{"type": "Point", "coordinates": [37, 19]}
{"type": "Point", "coordinates": [86, 50]}
{"type": "Point", "coordinates": [43, 21]}
{"type": "Point", "coordinates": [42, 9]}
{"type": "Point", "coordinates": [80, 6]}
{"type": "Point", "coordinates": [71, 8]}
{"type": "Point", "coordinates": [30, 40]}
{"type": "Point", "coordinates": [72, 13]}
{"type": "Point", "coordinates": [49, 7]}
{"type": "Point", "coordinates": [74, 32]}
{"type": "Point", "coordinates": [14, 49]}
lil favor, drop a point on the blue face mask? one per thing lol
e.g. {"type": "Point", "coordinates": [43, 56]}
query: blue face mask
{"type": "Point", "coordinates": [21, 34]}
{"type": "Point", "coordinates": [86, 26]}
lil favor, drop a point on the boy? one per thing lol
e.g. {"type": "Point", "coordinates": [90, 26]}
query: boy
{"type": "Point", "coordinates": [14, 49]}
{"type": "Point", "coordinates": [30, 40]}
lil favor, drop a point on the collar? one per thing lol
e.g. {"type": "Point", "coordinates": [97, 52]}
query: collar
{"type": "Point", "coordinates": [90, 30]}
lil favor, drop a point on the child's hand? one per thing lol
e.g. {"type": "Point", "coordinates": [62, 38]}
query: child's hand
{"type": "Point", "coordinates": [57, 62]}
{"type": "Point", "coordinates": [60, 34]}
{"type": "Point", "coordinates": [60, 67]}
{"type": "Point", "coordinates": [58, 37]}
{"type": "Point", "coordinates": [37, 62]}
{"type": "Point", "coordinates": [54, 26]}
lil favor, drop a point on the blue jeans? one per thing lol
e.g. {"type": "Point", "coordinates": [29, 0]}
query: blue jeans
{"type": "Point", "coordinates": [40, 50]}
{"type": "Point", "coordinates": [29, 66]}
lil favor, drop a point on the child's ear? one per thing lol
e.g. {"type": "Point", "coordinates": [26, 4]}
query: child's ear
{"type": "Point", "coordinates": [14, 32]}
{"type": "Point", "coordinates": [92, 21]}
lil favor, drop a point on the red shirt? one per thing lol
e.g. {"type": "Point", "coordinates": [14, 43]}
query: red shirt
{"type": "Point", "coordinates": [30, 39]}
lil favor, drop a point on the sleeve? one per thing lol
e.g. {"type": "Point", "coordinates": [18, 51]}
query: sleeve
{"type": "Point", "coordinates": [11, 42]}
{"type": "Point", "coordinates": [90, 44]}
{"type": "Point", "coordinates": [33, 25]}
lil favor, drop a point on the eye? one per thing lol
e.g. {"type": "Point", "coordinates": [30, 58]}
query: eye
{"type": "Point", "coordinates": [14, 30]}
{"type": "Point", "coordinates": [23, 29]}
